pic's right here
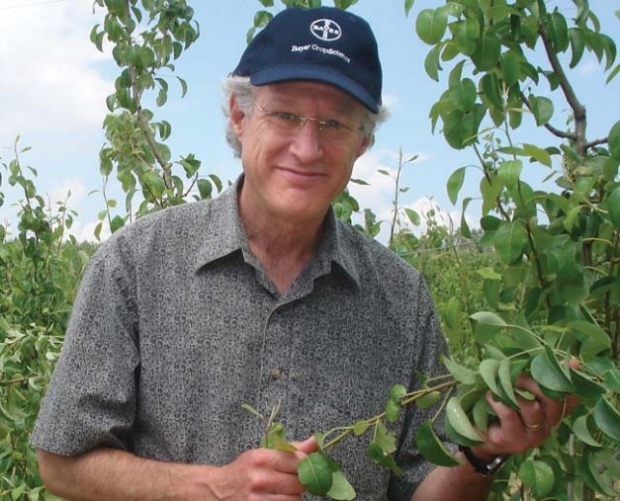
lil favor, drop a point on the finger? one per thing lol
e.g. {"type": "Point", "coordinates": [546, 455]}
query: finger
{"type": "Point", "coordinates": [508, 431]}
{"type": "Point", "coordinates": [533, 416]}
{"type": "Point", "coordinates": [552, 410]}
{"type": "Point", "coordinates": [286, 462]}
{"type": "Point", "coordinates": [308, 446]}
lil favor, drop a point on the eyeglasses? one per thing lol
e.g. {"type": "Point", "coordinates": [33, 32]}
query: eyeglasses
{"type": "Point", "coordinates": [330, 130]}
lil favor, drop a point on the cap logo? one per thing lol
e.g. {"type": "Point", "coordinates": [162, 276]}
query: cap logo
{"type": "Point", "coordinates": [326, 30]}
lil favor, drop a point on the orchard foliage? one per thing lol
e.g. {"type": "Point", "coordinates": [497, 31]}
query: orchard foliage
{"type": "Point", "coordinates": [540, 285]}
{"type": "Point", "coordinates": [39, 269]}
{"type": "Point", "coordinates": [148, 37]}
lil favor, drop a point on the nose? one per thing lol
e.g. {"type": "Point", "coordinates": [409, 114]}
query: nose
{"type": "Point", "coordinates": [306, 142]}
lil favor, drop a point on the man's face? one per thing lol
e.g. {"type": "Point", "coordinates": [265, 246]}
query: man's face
{"type": "Point", "coordinates": [293, 168]}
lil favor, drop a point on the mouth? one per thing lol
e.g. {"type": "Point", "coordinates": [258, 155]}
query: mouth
{"type": "Point", "coordinates": [301, 174]}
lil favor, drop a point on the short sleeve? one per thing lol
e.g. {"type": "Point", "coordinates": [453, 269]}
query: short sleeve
{"type": "Point", "coordinates": [431, 342]}
{"type": "Point", "coordinates": [91, 399]}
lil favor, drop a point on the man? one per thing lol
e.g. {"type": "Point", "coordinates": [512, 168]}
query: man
{"type": "Point", "coordinates": [261, 297]}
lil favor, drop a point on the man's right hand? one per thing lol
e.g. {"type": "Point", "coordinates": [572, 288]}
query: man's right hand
{"type": "Point", "coordinates": [262, 474]}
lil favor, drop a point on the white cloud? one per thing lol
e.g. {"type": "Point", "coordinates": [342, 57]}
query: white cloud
{"type": "Point", "coordinates": [588, 68]}
{"type": "Point", "coordinates": [71, 191]}
{"type": "Point", "coordinates": [50, 87]}
{"type": "Point", "coordinates": [379, 196]}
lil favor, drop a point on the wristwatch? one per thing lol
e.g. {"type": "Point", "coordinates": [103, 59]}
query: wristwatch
{"type": "Point", "coordinates": [485, 469]}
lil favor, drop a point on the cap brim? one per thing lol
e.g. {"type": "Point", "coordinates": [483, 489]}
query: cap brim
{"type": "Point", "coordinates": [316, 73]}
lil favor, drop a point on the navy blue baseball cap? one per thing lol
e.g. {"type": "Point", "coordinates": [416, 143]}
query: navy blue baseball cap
{"type": "Point", "coordinates": [324, 44]}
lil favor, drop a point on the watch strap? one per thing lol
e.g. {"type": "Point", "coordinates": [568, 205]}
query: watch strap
{"type": "Point", "coordinates": [485, 469]}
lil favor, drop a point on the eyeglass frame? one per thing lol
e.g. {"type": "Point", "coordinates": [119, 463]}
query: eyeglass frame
{"type": "Point", "coordinates": [300, 121]}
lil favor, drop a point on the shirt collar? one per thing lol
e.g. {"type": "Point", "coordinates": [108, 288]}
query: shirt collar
{"type": "Point", "coordinates": [227, 235]}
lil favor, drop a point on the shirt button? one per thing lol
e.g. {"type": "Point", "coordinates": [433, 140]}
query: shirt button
{"type": "Point", "coordinates": [275, 373]}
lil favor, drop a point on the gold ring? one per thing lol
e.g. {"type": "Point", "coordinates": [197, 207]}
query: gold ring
{"type": "Point", "coordinates": [534, 427]}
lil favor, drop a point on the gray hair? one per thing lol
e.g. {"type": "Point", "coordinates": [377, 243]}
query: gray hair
{"type": "Point", "coordinates": [243, 91]}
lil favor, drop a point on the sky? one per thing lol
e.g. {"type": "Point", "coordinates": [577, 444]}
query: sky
{"type": "Point", "coordinates": [53, 85]}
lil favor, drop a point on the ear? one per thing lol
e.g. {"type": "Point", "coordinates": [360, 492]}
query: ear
{"type": "Point", "coordinates": [364, 144]}
{"type": "Point", "coordinates": [237, 117]}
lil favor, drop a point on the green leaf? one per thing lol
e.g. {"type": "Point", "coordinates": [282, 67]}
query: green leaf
{"type": "Point", "coordinates": [459, 421]}
{"type": "Point", "coordinates": [607, 419]}
{"type": "Point", "coordinates": [463, 94]}
{"type": "Point", "coordinates": [539, 154]}
{"type": "Point", "coordinates": [510, 241]}
{"type": "Point", "coordinates": [360, 427]}
{"type": "Point", "coordinates": [488, 325]}
{"type": "Point", "coordinates": [384, 438]}
{"type": "Point", "coordinates": [588, 470]}
{"type": "Point", "coordinates": [315, 473]}
{"type": "Point", "coordinates": [542, 108]}
{"type": "Point", "coordinates": [587, 389]}
{"type": "Point", "coordinates": [204, 188]}
{"type": "Point", "coordinates": [511, 66]}
{"type": "Point", "coordinates": [488, 274]}
{"type": "Point", "coordinates": [117, 223]}
{"type": "Point", "coordinates": [97, 231]}
{"type": "Point", "coordinates": [490, 190]}
{"type": "Point", "coordinates": [613, 74]}
{"type": "Point", "coordinates": [488, 370]}
{"type": "Point", "coordinates": [578, 43]}
{"type": "Point", "coordinates": [505, 380]}
{"type": "Point", "coordinates": [397, 391]}
{"type": "Point", "coordinates": [465, 230]}
{"type": "Point", "coordinates": [431, 63]}
{"type": "Point", "coordinates": [581, 430]}
{"type": "Point", "coordinates": [465, 33]}
{"type": "Point", "coordinates": [451, 315]}
{"type": "Point", "coordinates": [431, 25]}
{"type": "Point", "coordinates": [612, 380]}
{"type": "Point", "coordinates": [276, 439]}
{"type": "Point", "coordinates": [459, 372]}
{"type": "Point", "coordinates": [558, 31]}
{"type": "Point", "coordinates": [413, 216]}
{"type": "Point", "coordinates": [491, 91]}
{"type": "Point", "coordinates": [183, 86]}
{"type": "Point", "coordinates": [614, 141]}
{"type": "Point", "coordinates": [392, 410]}
{"type": "Point", "coordinates": [154, 184]}
{"type": "Point", "coordinates": [488, 50]}
{"type": "Point", "coordinates": [570, 280]}
{"type": "Point", "coordinates": [593, 339]}
{"type": "Point", "coordinates": [612, 205]}
{"type": "Point", "coordinates": [455, 183]}
{"type": "Point", "coordinates": [431, 447]}
{"type": "Point", "coordinates": [378, 455]}
{"type": "Point", "coordinates": [428, 400]}
{"type": "Point", "coordinates": [408, 6]}
{"type": "Point", "coordinates": [547, 372]}
{"type": "Point", "coordinates": [538, 476]}
{"type": "Point", "coordinates": [341, 489]}
{"type": "Point", "coordinates": [480, 414]}
{"type": "Point", "coordinates": [509, 172]}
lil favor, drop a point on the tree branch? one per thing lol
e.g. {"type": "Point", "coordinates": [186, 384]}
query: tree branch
{"type": "Point", "coordinates": [579, 110]}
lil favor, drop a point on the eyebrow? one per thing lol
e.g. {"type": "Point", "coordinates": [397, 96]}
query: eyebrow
{"type": "Point", "coordinates": [340, 110]}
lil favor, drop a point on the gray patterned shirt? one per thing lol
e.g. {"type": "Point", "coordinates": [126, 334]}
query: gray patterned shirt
{"type": "Point", "coordinates": [177, 325]}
